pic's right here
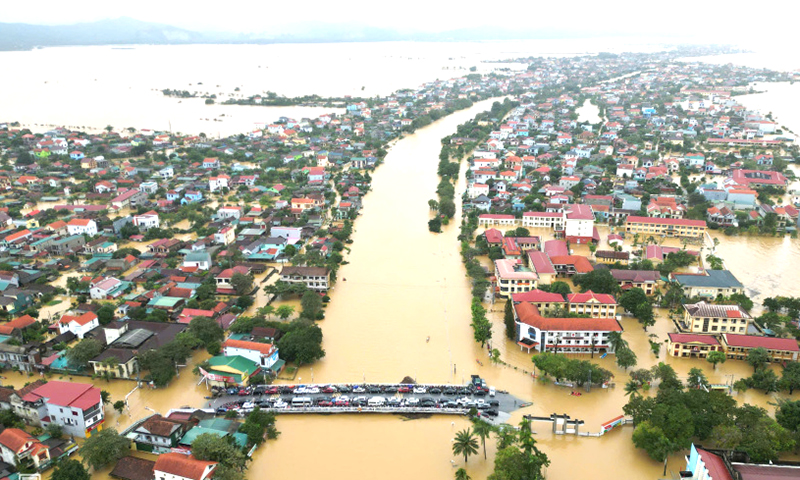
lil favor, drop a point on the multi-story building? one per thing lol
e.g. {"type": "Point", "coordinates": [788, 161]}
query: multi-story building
{"type": "Point", "coordinates": [315, 278]}
{"type": "Point", "coordinates": [702, 317]}
{"type": "Point", "coordinates": [596, 305]}
{"type": "Point", "coordinates": [146, 221]}
{"type": "Point", "coordinates": [82, 226]}
{"type": "Point", "coordinates": [670, 227]}
{"type": "Point", "coordinates": [78, 324]}
{"type": "Point", "coordinates": [158, 434]}
{"type": "Point", "coordinates": [513, 277]}
{"type": "Point", "coordinates": [691, 345]}
{"type": "Point", "coordinates": [76, 407]}
{"type": "Point", "coordinates": [562, 335]}
{"type": "Point", "coordinates": [545, 302]}
{"type": "Point", "coordinates": [780, 349]}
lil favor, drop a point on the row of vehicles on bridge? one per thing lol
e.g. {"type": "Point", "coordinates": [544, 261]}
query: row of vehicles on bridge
{"type": "Point", "coordinates": [243, 406]}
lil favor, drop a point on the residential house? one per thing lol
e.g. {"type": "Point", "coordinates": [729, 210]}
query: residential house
{"type": "Point", "coordinates": [17, 446]}
{"type": "Point", "coordinates": [146, 221]}
{"type": "Point", "coordinates": [76, 407]}
{"type": "Point", "coordinates": [82, 226]}
{"type": "Point", "coordinates": [158, 434]}
{"type": "Point", "coordinates": [179, 466]}
{"type": "Point", "coordinates": [315, 278]}
{"type": "Point", "coordinates": [79, 325]}
{"type": "Point", "coordinates": [264, 354]}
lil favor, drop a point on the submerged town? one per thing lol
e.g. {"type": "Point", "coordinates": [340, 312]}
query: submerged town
{"type": "Point", "coordinates": [590, 203]}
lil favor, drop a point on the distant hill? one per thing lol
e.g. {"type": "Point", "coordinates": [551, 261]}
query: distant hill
{"type": "Point", "coordinates": [128, 31]}
{"type": "Point", "coordinates": [120, 31]}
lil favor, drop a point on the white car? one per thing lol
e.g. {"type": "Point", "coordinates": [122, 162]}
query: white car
{"type": "Point", "coordinates": [312, 390]}
{"type": "Point", "coordinates": [412, 401]}
{"type": "Point", "coordinates": [492, 391]}
{"type": "Point", "coordinates": [299, 390]}
{"type": "Point", "coordinates": [359, 390]}
{"type": "Point", "coordinates": [280, 404]}
{"type": "Point", "coordinates": [420, 390]}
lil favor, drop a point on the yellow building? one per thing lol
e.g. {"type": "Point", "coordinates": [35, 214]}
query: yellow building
{"type": "Point", "coordinates": [690, 345]}
{"type": "Point", "coordinates": [702, 317]}
{"type": "Point", "coordinates": [671, 227]}
{"type": "Point", "coordinates": [118, 362]}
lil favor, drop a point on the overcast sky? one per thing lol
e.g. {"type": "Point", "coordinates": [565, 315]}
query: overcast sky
{"type": "Point", "coordinates": [727, 21]}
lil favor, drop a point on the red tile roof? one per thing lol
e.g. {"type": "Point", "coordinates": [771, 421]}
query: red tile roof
{"type": "Point", "coordinates": [66, 394]}
{"type": "Point", "coordinates": [529, 315]}
{"type": "Point", "coordinates": [15, 439]}
{"type": "Point", "coordinates": [581, 264]}
{"type": "Point", "coordinates": [690, 338]}
{"type": "Point", "coordinates": [666, 221]}
{"type": "Point", "coordinates": [182, 465]}
{"type": "Point", "coordinates": [538, 296]}
{"type": "Point", "coordinates": [264, 348]}
{"type": "Point", "coordinates": [590, 295]}
{"type": "Point", "coordinates": [80, 320]}
{"type": "Point", "coordinates": [753, 341]}
{"type": "Point", "coordinates": [715, 465]}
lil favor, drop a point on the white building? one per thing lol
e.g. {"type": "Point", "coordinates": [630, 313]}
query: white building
{"type": "Point", "coordinates": [218, 183]}
{"type": "Point", "coordinates": [82, 226]}
{"type": "Point", "coordinates": [179, 466]}
{"type": "Point", "coordinates": [79, 325]}
{"type": "Point", "coordinates": [76, 407]}
{"type": "Point", "coordinates": [229, 212]}
{"type": "Point", "coordinates": [513, 277]}
{"type": "Point", "coordinates": [579, 223]}
{"type": "Point", "coordinates": [225, 236]}
{"type": "Point", "coordinates": [264, 354]}
{"type": "Point", "coordinates": [562, 335]}
{"type": "Point", "coordinates": [146, 221]}
{"type": "Point", "coordinates": [315, 278]}
{"type": "Point", "coordinates": [478, 189]}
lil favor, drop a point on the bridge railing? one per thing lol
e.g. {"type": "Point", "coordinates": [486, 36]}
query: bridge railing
{"type": "Point", "coordinates": [386, 409]}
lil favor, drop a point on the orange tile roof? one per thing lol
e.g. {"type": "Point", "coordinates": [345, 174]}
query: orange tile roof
{"type": "Point", "coordinates": [264, 348]}
{"type": "Point", "coordinates": [181, 465]}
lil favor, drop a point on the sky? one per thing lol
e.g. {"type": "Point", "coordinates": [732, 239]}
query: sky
{"type": "Point", "coordinates": [726, 21]}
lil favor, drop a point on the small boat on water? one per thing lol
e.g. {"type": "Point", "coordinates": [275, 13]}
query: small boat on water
{"type": "Point", "coordinates": [427, 339]}
{"type": "Point", "coordinates": [479, 362]}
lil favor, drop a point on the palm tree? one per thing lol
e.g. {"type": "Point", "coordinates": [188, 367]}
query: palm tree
{"type": "Point", "coordinates": [632, 387]}
{"type": "Point", "coordinates": [461, 474]}
{"type": "Point", "coordinates": [616, 342]}
{"type": "Point", "coordinates": [482, 430]}
{"type": "Point", "coordinates": [465, 444]}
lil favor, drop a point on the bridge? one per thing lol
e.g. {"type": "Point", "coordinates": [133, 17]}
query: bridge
{"type": "Point", "coordinates": [403, 399]}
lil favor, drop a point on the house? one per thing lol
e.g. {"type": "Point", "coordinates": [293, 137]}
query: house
{"type": "Point", "coordinates": [315, 278]}
{"type": "Point", "coordinates": [107, 288]}
{"type": "Point", "coordinates": [148, 187]}
{"type": "Point", "coordinates": [223, 280]}
{"type": "Point", "coordinates": [229, 212]}
{"type": "Point", "coordinates": [670, 227]}
{"type": "Point", "coordinates": [127, 198]}
{"type": "Point", "coordinates": [17, 445]}
{"type": "Point", "coordinates": [200, 260]}
{"type": "Point", "coordinates": [702, 317]}
{"type": "Point", "coordinates": [218, 183]}
{"type": "Point", "coordinates": [596, 305]}
{"type": "Point", "coordinates": [158, 435]}
{"type": "Point", "coordinates": [179, 466]}
{"type": "Point", "coordinates": [211, 163]}
{"type": "Point", "coordinates": [76, 407]}
{"type": "Point", "coordinates": [264, 354]}
{"type": "Point", "coordinates": [82, 226]}
{"type": "Point", "coordinates": [647, 280]}
{"type": "Point", "coordinates": [78, 324]}
{"type": "Point", "coordinates": [562, 335]}
{"type": "Point", "coordinates": [759, 178]}
{"type": "Point", "coordinates": [225, 236]}
{"type": "Point", "coordinates": [779, 349]}
{"type": "Point", "coordinates": [146, 221]}
{"type": "Point", "coordinates": [706, 464]}
{"type": "Point", "coordinates": [691, 345]}
{"type": "Point", "coordinates": [710, 285]}
{"type": "Point", "coordinates": [116, 363]}
{"type": "Point", "coordinates": [513, 277]}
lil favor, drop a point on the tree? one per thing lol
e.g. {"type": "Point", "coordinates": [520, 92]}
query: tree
{"type": "Point", "coordinates": [626, 358]}
{"type": "Point", "coordinates": [790, 377]}
{"type": "Point", "coordinates": [697, 379]}
{"type": "Point", "coordinates": [119, 406]}
{"type": "Point", "coordinates": [211, 447]}
{"type": "Point", "coordinates": [85, 350]}
{"type": "Point", "coordinates": [598, 281]}
{"type": "Point", "coordinates": [206, 330]}
{"type": "Point", "coordinates": [435, 224]}
{"type": "Point", "coordinates": [481, 326]}
{"type": "Point", "coordinates": [716, 357]}
{"type": "Point", "coordinates": [9, 419]}
{"type": "Point", "coordinates": [561, 288]}
{"type": "Point", "coordinates": [482, 430]}
{"type": "Point", "coordinates": [465, 444]}
{"type": "Point", "coordinates": [644, 313]}
{"type": "Point", "coordinates": [311, 304]}
{"type": "Point", "coordinates": [631, 299]}
{"type": "Point", "coordinates": [69, 469]}
{"type": "Point", "coordinates": [104, 447]}
{"type": "Point", "coordinates": [160, 366]}
{"type": "Point", "coordinates": [632, 387]}
{"type": "Point", "coordinates": [284, 311]}
{"type": "Point", "coordinates": [265, 311]}
{"type": "Point", "coordinates": [461, 474]}
{"type": "Point", "coordinates": [758, 358]}
{"type": "Point", "coordinates": [242, 284]}
{"type": "Point", "coordinates": [652, 440]}
{"type": "Point", "coordinates": [54, 430]}
{"type": "Point", "coordinates": [788, 414]}
{"type": "Point", "coordinates": [508, 320]}
{"type": "Point", "coordinates": [302, 345]}
{"type": "Point", "coordinates": [105, 314]}
{"type": "Point", "coordinates": [105, 396]}
{"type": "Point", "coordinates": [616, 342]}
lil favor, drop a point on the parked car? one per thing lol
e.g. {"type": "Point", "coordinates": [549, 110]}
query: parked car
{"type": "Point", "coordinates": [390, 389]}
{"type": "Point", "coordinates": [359, 389]}
{"type": "Point", "coordinates": [421, 390]}
{"type": "Point", "coordinates": [271, 390]}
{"type": "Point", "coordinates": [435, 390]}
{"type": "Point", "coordinates": [413, 401]}
{"type": "Point", "coordinates": [344, 389]}
{"type": "Point", "coordinates": [404, 389]}
{"type": "Point", "coordinates": [374, 389]}
{"type": "Point", "coordinates": [329, 389]}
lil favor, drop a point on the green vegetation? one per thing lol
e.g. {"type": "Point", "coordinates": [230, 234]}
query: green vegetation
{"type": "Point", "coordinates": [104, 447]}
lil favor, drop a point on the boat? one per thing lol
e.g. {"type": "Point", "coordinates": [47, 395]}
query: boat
{"type": "Point", "coordinates": [427, 339]}
{"type": "Point", "coordinates": [479, 362]}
